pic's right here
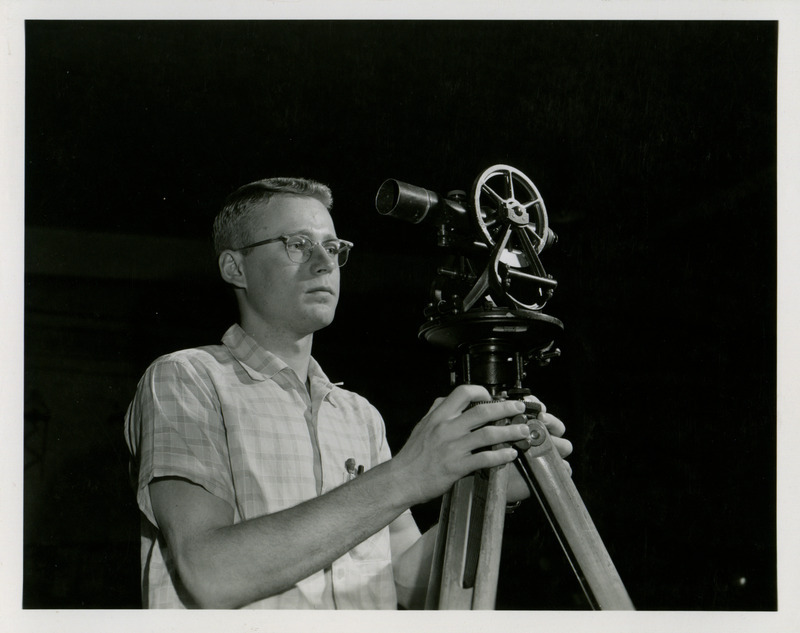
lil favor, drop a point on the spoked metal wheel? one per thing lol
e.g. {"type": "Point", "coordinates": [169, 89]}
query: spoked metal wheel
{"type": "Point", "coordinates": [503, 196]}
{"type": "Point", "coordinates": [511, 217]}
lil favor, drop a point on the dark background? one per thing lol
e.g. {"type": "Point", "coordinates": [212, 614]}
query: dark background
{"type": "Point", "coordinates": [653, 145]}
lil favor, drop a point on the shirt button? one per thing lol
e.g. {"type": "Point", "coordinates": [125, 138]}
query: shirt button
{"type": "Point", "coordinates": [339, 573]}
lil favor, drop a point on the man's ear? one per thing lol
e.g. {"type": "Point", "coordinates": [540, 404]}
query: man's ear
{"type": "Point", "coordinates": [231, 268]}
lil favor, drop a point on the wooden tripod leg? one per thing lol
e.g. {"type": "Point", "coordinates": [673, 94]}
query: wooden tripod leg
{"type": "Point", "coordinates": [494, 517]}
{"type": "Point", "coordinates": [466, 559]}
{"type": "Point", "coordinates": [439, 548]}
{"type": "Point", "coordinates": [574, 526]}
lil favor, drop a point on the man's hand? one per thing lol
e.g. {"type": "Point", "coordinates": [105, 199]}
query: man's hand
{"type": "Point", "coordinates": [441, 447]}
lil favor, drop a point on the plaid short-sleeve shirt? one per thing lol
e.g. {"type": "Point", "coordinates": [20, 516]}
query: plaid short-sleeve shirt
{"type": "Point", "coordinates": [235, 419]}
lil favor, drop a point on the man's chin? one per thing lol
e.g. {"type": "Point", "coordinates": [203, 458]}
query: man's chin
{"type": "Point", "coordinates": [319, 319]}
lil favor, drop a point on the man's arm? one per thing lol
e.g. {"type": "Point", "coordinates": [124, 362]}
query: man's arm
{"type": "Point", "coordinates": [226, 565]}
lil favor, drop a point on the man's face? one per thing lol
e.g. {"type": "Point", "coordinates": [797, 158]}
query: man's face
{"type": "Point", "coordinates": [297, 299]}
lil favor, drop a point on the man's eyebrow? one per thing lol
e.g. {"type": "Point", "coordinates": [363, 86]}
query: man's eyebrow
{"type": "Point", "coordinates": [309, 234]}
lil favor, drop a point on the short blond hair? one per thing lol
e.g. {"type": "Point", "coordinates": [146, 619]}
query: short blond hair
{"type": "Point", "coordinates": [233, 224]}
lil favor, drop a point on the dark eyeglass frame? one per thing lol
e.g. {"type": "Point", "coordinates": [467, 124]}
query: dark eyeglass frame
{"type": "Point", "coordinates": [340, 256]}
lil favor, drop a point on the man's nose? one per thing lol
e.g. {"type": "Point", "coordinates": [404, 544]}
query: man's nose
{"type": "Point", "coordinates": [321, 260]}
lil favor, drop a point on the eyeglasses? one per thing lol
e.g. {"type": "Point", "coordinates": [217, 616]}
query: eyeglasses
{"type": "Point", "coordinates": [299, 248]}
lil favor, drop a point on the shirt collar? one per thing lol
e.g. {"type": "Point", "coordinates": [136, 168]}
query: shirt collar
{"type": "Point", "coordinates": [261, 364]}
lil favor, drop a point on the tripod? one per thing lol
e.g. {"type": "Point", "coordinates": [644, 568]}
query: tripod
{"type": "Point", "coordinates": [466, 559]}
{"type": "Point", "coordinates": [492, 324]}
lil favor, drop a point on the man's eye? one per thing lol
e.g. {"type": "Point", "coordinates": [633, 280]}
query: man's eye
{"type": "Point", "coordinates": [332, 248]}
{"type": "Point", "coordinates": [297, 245]}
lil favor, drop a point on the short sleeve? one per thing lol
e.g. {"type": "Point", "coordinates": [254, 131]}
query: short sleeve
{"type": "Point", "coordinates": [384, 451]}
{"type": "Point", "coordinates": [379, 447]}
{"type": "Point", "coordinates": [174, 428]}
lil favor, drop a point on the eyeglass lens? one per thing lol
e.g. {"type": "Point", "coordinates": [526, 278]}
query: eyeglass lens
{"type": "Point", "coordinates": [300, 249]}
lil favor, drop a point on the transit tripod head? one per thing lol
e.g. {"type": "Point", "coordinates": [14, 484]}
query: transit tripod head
{"type": "Point", "coordinates": [487, 297]}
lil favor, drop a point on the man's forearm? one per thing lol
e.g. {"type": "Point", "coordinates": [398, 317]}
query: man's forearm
{"type": "Point", "coordinates": [233, 565]}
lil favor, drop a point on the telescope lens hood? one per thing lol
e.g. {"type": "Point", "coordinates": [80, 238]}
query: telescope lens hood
{"type": "Point", "coordinates": [405, 202]}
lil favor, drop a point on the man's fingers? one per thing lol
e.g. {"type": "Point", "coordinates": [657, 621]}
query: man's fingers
{"type": "Point", "coordinates": [493, 434]}
{"type": "Point", "coordinates": [564, 447]}
{"type": "Point", "coordinates": [489, 459]}
{"type": "Point", "coordinates": [487, 412]}
{"type": "Point", "coordinates": [459, 399]}
{"type": "Point", "coordinates": [553, 424]}
{"type": "Point", "coordinates": [532, 398]}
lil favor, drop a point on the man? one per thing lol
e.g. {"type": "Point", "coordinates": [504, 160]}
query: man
{"type": "Point", "coordinates": [261, 483]}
